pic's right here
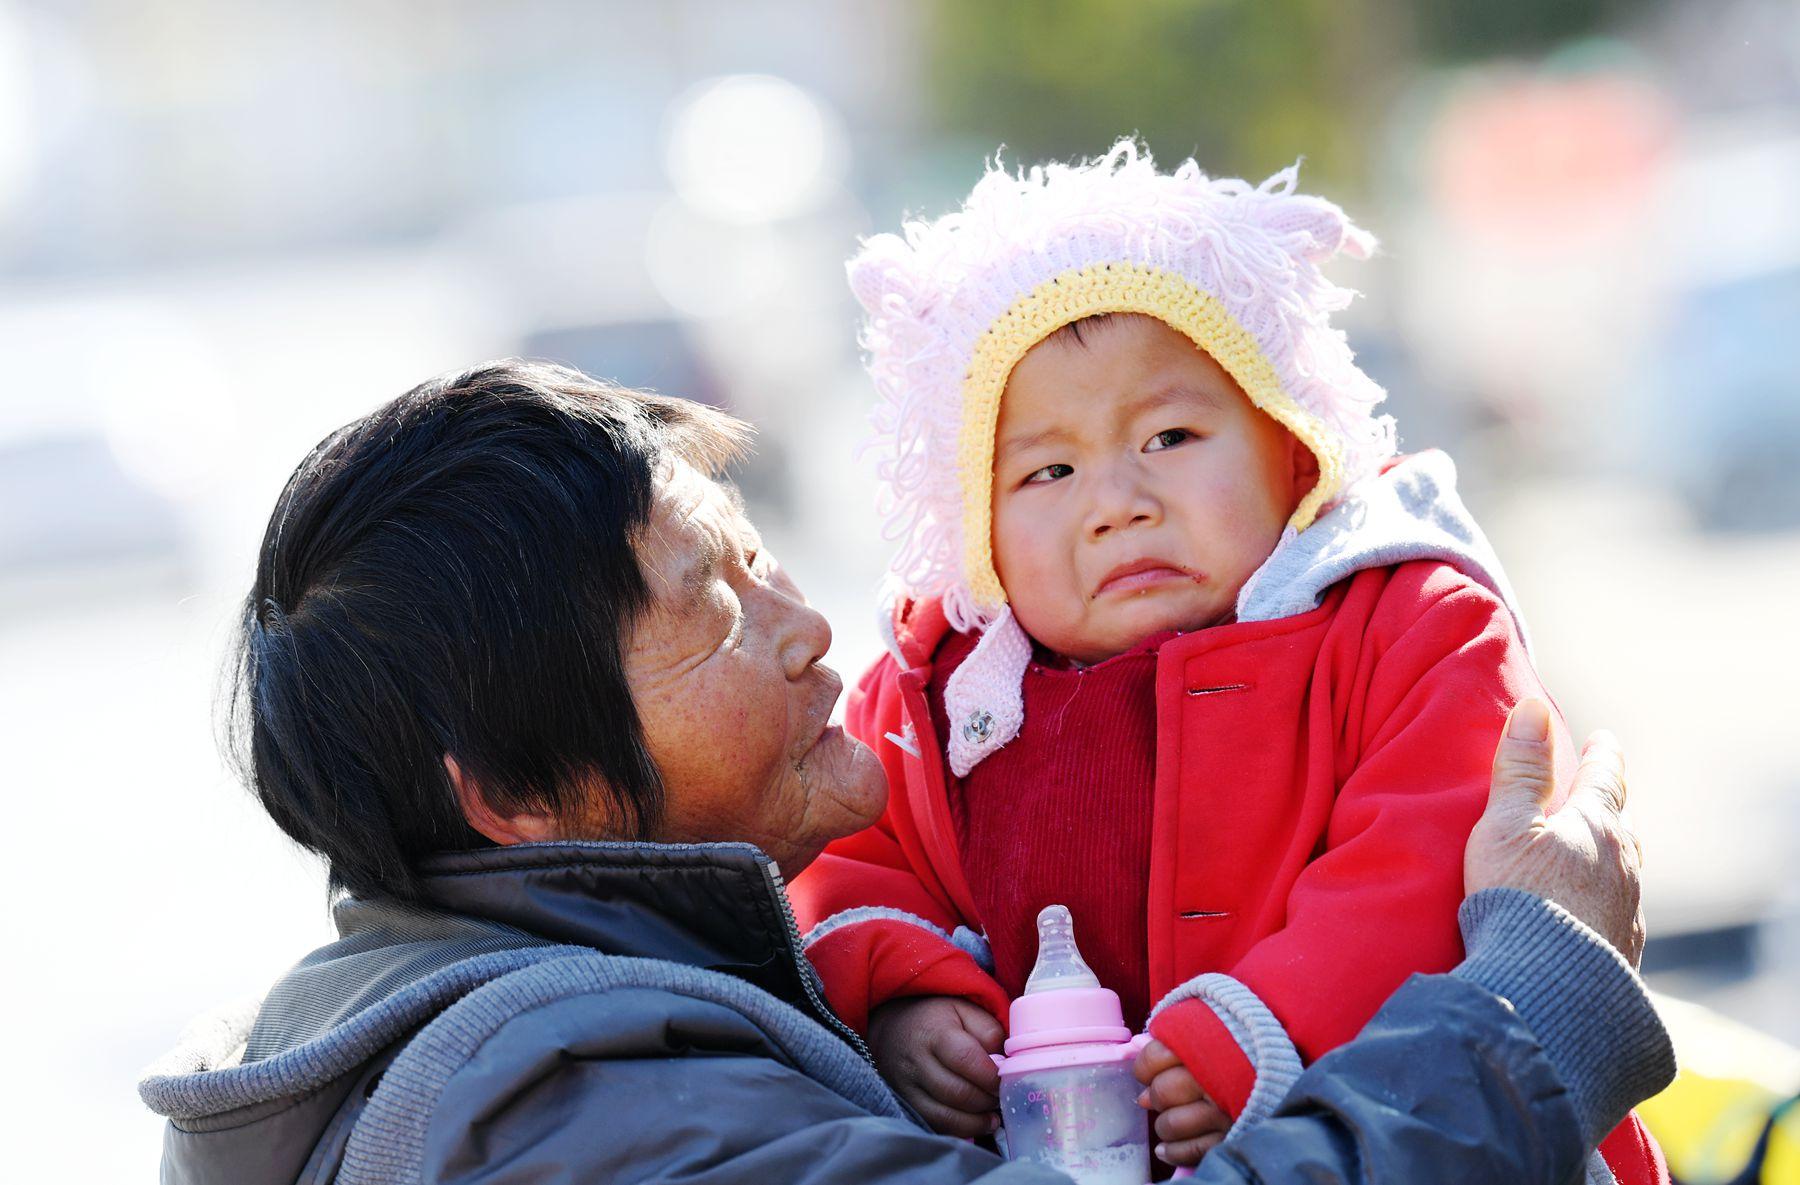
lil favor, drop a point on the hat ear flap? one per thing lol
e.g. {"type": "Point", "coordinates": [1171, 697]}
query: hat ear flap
{"type": "Point", "coordinates": [881, 269]}
{"type": "Point", "coordinates": [1315, 229]}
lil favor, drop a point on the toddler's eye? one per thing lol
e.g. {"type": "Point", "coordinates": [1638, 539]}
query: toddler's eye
{"type": "Point", "coordinates": [1048, 473]}
{"type": "Point", "coordinates": [1167, 438]}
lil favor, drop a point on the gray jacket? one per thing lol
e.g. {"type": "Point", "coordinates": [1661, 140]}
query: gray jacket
{"type": "Point", "coordinates": [640, 1013]}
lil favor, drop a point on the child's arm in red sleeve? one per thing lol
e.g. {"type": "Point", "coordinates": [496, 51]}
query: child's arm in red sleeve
{"type": "Point", "coordinates": [878, 923]}
{"type": "Point", "coordinates": [1379, 902]}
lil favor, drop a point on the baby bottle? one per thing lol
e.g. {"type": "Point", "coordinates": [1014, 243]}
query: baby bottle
{"type": "Point", "coordinates": [1067, 1093]}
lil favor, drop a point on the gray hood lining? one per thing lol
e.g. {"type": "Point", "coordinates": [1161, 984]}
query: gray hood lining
{"type": "Point", "coordinates": [1411, 512]}
{"type": "Point", "coordinates": [203, 1077]}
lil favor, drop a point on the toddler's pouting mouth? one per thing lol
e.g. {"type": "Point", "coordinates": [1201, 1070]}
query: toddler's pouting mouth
{"type": "Point", "coordinates": [1135, 577]}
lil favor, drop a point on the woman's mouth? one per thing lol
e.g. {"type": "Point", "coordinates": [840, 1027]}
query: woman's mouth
{"type": "Point", "coordinates": [831, 687]}
{"type": "Point", "coordinates": [806, 754]}
{"type": "Point", "coordinates": [1141, 575]}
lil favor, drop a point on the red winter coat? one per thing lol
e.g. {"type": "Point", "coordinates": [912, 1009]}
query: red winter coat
{"type": "Point", "coordinates": [1316, 780]}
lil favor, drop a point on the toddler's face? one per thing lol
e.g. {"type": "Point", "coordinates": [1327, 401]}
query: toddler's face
{"type": "Point", "coordinates": [1136, 488]}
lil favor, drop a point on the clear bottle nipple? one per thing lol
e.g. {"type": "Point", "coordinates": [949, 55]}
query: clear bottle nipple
{"type": "Point", "coordinates": [1059, 961]}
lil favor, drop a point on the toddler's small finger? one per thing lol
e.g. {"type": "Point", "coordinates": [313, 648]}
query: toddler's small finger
{"type": "Point", "coordinates": [983, 1027]}
{"type": "Point", "coordinates": [959, 1052]}
{"type": "Point", "coordinates": [1187, 1153]}
{"type": "Point", "coordinates": [951, 1089]}
{"type": "Point", "coordinates": [1153, 1059]}
{"type": "Point", "coordinates": [950, 1121]}
{"type": "Point", "coordinates": [1191, 1121]}
{"type": "Point", "coordinates": [1174, 1088]}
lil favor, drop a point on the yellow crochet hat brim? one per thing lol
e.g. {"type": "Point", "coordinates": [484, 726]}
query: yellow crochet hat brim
{"type": "Point", "coordinates": [1087, 292]}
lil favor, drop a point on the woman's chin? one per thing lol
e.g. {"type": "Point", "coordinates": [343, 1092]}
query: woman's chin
{"type": "Point", "coordinates": [847, 790]}
{"type": "Point", "coordinates": [862, 785]}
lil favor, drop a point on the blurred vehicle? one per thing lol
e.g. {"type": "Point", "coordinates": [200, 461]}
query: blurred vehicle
{"type": "Point", "coordinates": [1728, 374]}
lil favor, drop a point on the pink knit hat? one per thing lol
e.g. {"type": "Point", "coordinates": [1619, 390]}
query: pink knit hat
{"type": "Point", "coordinates": [954, 304]}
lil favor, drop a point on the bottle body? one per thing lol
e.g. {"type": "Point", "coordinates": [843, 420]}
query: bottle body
{"type": "Point", "coordinates": [1079, 1117]}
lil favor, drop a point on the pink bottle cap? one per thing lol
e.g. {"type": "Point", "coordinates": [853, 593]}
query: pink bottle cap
{"type": "Point", "coordinates": [1064, 1004]}
{"type": "Point", "coordinates": [1068, 1016]}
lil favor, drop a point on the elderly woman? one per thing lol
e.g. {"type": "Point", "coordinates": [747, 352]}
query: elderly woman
{"type": "Point", "coordinates": [516, 664]}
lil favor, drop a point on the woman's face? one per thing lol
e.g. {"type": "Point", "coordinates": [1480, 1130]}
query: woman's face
{"type": "Point", "coordinates": [724, 670]}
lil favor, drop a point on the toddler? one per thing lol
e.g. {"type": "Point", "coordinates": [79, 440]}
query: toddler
{"type": "Point", "coordinates": [1175, 640]}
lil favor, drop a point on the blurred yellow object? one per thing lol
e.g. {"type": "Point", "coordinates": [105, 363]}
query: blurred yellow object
{"type": "Point", "coordinates": [1735, 1084]}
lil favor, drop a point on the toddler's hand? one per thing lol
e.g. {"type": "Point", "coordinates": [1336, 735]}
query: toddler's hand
{"type": "Point", "coordinates": [934, 1051]}
{"type": "Point", "coordinates": [1188, 1124]}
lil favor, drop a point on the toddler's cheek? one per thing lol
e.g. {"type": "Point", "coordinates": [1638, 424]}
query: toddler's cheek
{"type": "Point", "coordinates": [1053, 621]}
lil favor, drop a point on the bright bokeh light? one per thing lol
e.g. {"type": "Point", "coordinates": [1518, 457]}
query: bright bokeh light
{"type": "Point", "coordinates": [19, 127]}
{"type": "Point", "coordinates": [707, 268]}
{"type": "Point", "coordinates": [164, 403]}
{"type": "Point", "coordinates": [753, 148]}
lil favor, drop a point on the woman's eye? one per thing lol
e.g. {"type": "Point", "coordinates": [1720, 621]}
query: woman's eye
{"type": "Point", "coordinates": [1048, 473]}
{"type": "Point", "coordinates": [733, 622]}
{"type": "Point", "coordinates": [1167, 438]}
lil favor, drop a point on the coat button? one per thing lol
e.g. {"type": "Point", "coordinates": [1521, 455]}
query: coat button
{"type": "Point", "coordinates": [978, 728]}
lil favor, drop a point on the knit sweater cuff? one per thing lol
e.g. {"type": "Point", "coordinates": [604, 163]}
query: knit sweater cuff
{"type": "Point", "coordinates": [1580, 998]}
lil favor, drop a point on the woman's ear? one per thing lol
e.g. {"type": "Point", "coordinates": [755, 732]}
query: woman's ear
{"type": "Point", "coordinates": [503, 829]}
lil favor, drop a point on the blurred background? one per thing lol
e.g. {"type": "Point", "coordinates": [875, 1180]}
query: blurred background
{"type": "Point", "coordinates": [227, 227]}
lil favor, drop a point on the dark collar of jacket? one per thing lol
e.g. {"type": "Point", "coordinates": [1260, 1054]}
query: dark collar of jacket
{"type": "Point", "coordinates": [718, 906]}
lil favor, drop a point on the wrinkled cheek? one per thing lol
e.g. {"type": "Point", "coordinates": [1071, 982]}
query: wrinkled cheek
{"type": "Point", "coordinates": [849, 781]}
{"type": "Point", "coordinates": [732, 719]}
{"type": "Point", "coordinates": [716, 776]}
{"type": "Point", "coordinates": [734, 725]}
{"type": "Point", "coordinates": [845, 791]}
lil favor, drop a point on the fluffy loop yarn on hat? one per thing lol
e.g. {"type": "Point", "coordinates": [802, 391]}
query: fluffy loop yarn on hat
{"type": "Point", "coordinates": [931, 294]}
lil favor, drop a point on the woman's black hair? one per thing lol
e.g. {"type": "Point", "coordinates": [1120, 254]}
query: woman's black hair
{"type": "Point", "coordinates": [456, 574]}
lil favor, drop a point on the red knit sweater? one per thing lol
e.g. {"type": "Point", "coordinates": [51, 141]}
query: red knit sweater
{"type": "Point", "coordinates": [1025, 817]}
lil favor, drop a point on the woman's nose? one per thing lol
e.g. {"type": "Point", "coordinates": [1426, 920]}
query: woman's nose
{"type": "Point", "coordinates": [805, 634]}
{"type": "Point", "coordinates": [1121, 499]}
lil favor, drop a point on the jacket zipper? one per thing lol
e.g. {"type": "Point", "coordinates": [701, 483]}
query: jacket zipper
{"type": "Point", "coordinates": [808, 981]}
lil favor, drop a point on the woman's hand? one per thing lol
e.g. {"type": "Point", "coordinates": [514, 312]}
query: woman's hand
{"type": "Point", "coordinates": [1188, 1123]}
{"type": "Point", "coordinates": [1585, 856]}
{"type": "Point", "coordinates": [933, 1050]}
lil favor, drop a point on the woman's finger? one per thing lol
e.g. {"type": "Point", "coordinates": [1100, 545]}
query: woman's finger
{"type": "Point", "coordinates": [1602, 772]}
{"type": "Point", "coordinates": [1523, 780]}
{"type": "Point", "coordinates": [1629, 826]}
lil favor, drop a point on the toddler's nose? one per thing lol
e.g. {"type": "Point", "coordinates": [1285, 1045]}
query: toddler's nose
{"type": "Point", "coordinates": [1121, 501]}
